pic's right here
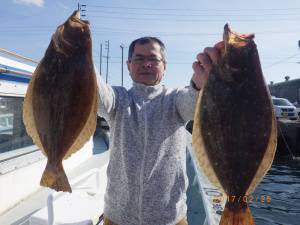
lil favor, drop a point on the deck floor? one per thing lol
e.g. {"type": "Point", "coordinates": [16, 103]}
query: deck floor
{"type": "Point", "coordinates": [23, 210]}
{"type": "Point", "coordinates": [196, 211]}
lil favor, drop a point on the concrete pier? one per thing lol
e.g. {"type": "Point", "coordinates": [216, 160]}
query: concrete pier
{"type": "Point", "coordinates": [288, 138]}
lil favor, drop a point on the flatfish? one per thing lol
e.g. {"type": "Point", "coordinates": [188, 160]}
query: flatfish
{"type": "Point", "coordinates": [60, 106]}
{"type": "Point", "coordinates": [234, 131]}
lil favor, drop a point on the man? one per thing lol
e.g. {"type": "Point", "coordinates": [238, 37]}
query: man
{"type": "Point", "coordinates": [147, 179]}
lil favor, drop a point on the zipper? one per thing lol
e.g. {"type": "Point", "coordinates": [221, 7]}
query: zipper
{"type": "Point", "coordinates": [142, 165]}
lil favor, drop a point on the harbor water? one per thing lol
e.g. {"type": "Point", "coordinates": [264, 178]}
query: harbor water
{"type": "Point", "coordinates": [282, 187]}
{"type": "Point", "coordinates": [276, 200]}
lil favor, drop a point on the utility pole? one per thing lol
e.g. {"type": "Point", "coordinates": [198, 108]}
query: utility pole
{"type": "Point", "coordinates": [122, 49]}
{"type": "Point", "coordinates": [298, 86]}
{"type": "Point", "coordinates": [107, 56]}
{"type": "Point", "coordinates": [100, 59]}
{"type": "Point", "coordinates": [81, 10]}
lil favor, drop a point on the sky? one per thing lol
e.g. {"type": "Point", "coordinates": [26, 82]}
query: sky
{"type": "Point", "coordinates": [186, 27]}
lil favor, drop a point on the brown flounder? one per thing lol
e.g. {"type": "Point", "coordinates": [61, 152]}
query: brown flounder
{"type": "Point", "coordinates": [234, 132]}
{"type": "Point", "coordinates": [60, 106]}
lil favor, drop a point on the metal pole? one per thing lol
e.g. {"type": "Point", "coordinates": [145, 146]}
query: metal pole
{"type": "Point", "coordinates": [100, 59]}
{"type": "Point", "coordinates": [4, 70]}
{"type": "Point", "coordinates": [79, 9]}
{"type": "Point", "coordinates": [122, 49]}
{"type": "Point", "coordinates": [107, 60]}
{"type": "Point", "coordinates": [17, 55]}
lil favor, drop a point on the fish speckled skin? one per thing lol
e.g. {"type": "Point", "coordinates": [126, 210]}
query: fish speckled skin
{"type": "Point", "coordinates": [234, 133]}
{"type": "Point", "coordinates": [60, 106]}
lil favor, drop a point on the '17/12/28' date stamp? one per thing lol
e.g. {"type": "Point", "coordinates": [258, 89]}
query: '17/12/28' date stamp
{"type": "Point", "coordinates": [245, 198]}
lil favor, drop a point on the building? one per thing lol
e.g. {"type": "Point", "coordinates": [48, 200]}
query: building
{"type": "Point", "coordinates": [288, 89]}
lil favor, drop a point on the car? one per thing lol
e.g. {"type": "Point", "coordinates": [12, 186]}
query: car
{"type": "Point", "coordinates": [297, 105]}
{"type": "Point", "coordinates": [284, 108]}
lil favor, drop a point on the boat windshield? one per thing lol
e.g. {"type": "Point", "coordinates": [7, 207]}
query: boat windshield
{"type": "Point", "coordinates": [12, 131]}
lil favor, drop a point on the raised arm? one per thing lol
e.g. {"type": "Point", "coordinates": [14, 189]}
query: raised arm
{"type": "Point", "coordinates": [187, 97]}
{"type": "Point", "coordinates": [107, 98]}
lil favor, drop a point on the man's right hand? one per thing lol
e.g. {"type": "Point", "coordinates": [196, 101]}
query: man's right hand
{"type": "Point", "coordinates": [202, 67]}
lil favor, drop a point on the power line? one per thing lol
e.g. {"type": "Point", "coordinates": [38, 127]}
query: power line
{"type": "Point", "coordinates": [194, 10]}
{"type": "Point", "coordinates": [173, 63]}
{"type": "Point", "coordinates": [190, 15]}
{"type": "Point", "coordinates": [163, 33]}
{"type": "Point", "coordinates": [196, 20]}
{"type": "Point", "coordinates": [157, 33]}
{"type": "Point", "coordinates": [282, 60]}
{"type": "Point", "coordinates": [33, 29]}
{"type": "Point", "coordinates": [101, 29]}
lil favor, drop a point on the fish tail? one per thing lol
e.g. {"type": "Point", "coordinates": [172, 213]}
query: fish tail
{"type": "Point", "coordinates": [55, 177]}
{"type": "Point", "coordinates": [236, 214]}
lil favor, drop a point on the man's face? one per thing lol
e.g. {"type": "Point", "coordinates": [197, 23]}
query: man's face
{"type": "Point", "coordinates": [146, 65]}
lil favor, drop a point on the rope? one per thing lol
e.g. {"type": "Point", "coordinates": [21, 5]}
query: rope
{"type": "Point", "coordinates": [286, 144]}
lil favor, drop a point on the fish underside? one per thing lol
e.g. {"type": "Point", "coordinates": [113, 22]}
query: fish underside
{"type": "Point", "coordinates": [60, 105]}
{"type": "Point", "coordinates": [234, 133]}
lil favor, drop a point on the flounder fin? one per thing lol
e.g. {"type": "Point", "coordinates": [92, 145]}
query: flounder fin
{"type": "Point", "coordinates": [28, 118]}
{"type": "Point", "coordinates": [55, 178]}
{"type": "Point", "coordinates": [236, 217]}
{"type": "Point", "coordinates": [266, 163]}
{"type": "Point", "coordinates": [199, 147]}
{"type": "Point", "coordinates": [89, 127]}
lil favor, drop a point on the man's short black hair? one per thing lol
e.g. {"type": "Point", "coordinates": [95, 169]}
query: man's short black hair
{"type": "Point", "coordinates": [146, 40]}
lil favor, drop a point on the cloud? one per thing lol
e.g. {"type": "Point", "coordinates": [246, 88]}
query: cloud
{"type": "Point", "coordinates": [62, 5]}
{"type": "Point", "coordinates": [39, 3]}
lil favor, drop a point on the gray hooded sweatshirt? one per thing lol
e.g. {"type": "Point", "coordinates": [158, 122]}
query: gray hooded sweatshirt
{"type": "Point", "coordinates": [146, 175]}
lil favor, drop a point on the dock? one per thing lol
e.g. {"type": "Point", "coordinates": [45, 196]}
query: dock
{"type": "Point", "coordinates": [288, 138]}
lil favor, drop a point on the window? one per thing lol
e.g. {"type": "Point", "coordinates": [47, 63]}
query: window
{"type": "Point", "coordinates": [282, 102]}
{"type": "Point", "coordinates": [12, 131]}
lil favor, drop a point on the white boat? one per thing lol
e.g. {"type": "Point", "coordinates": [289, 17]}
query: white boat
{"type": "Point", "coordinates": [24, 201]}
